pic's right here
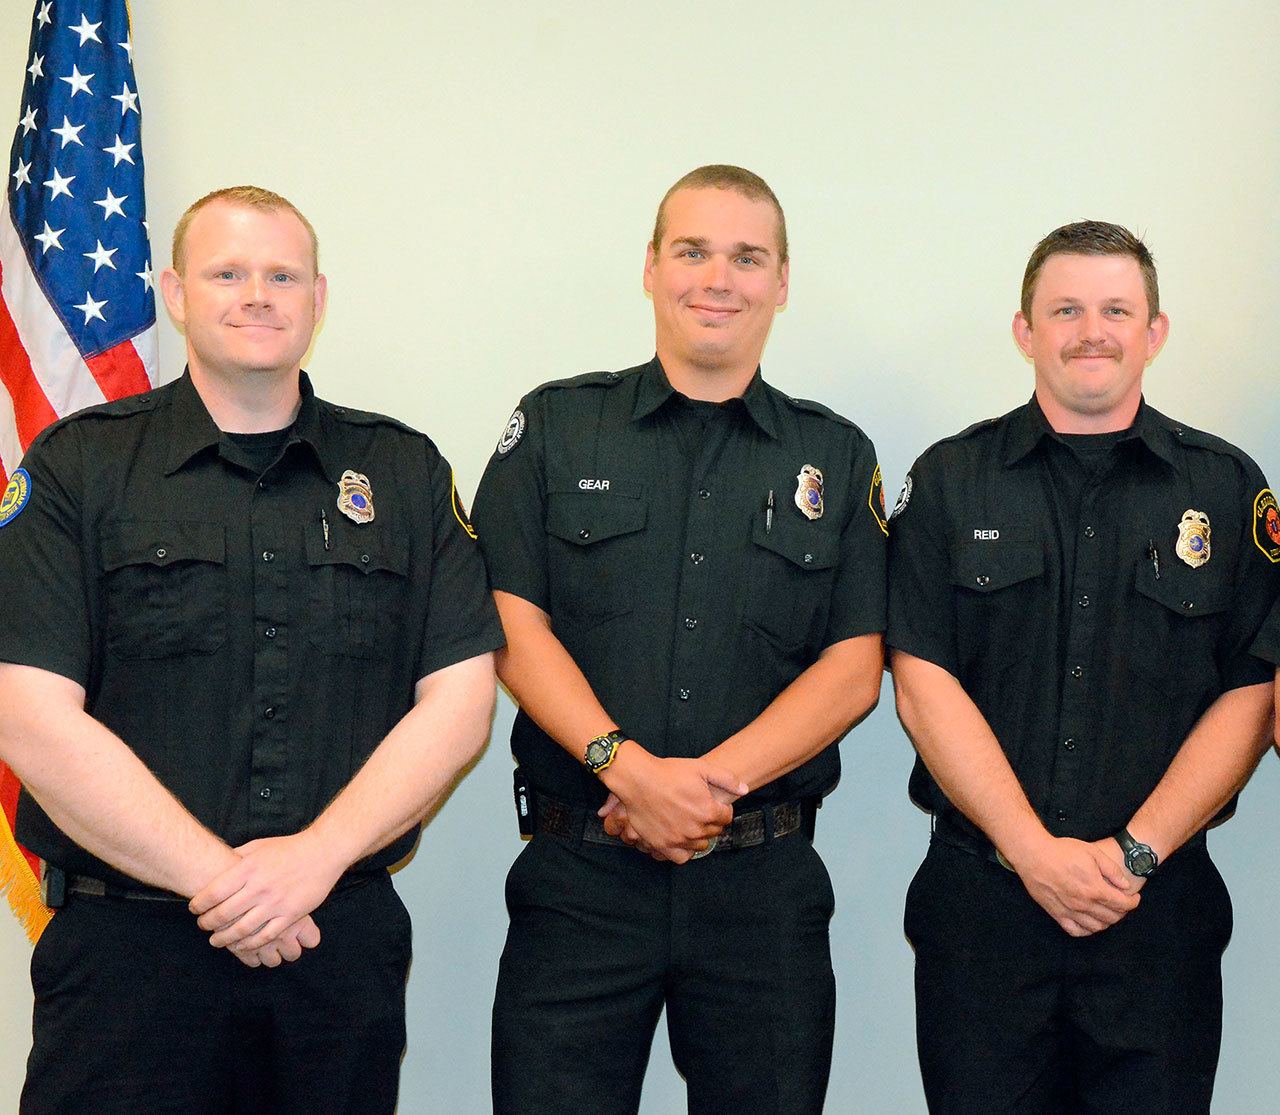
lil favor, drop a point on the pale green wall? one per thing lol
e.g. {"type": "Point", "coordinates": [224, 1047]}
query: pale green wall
{"type": "Point", "coordinates": [483, 177]}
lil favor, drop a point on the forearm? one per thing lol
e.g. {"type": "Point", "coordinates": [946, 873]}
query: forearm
{"type": "Point", "coordinates": [96, 790]}
{"type": "Point", "coordinates": [1214, 762]}
{"type": "Point", "coordinates": [963, 755]}
{"type": "Point", "coordinates": [833, 694]}
{"type": "Point", "coordinates": [413, 768]}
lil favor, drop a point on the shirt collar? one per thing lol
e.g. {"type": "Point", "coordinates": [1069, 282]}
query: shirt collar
{"type": "Point", "coordinates": [1028, 427]}
{"type": "Point", "coordinates": [194, 430]}
{"type": "Point", "coordinates": [655, 389]}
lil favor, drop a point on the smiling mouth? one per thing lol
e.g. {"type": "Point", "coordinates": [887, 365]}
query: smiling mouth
{"type": "Point", "coordinates": [714, 313]}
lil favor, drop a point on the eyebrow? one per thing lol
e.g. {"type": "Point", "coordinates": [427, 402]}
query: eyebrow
{"type": "Point", "coordinates": [740, 248]}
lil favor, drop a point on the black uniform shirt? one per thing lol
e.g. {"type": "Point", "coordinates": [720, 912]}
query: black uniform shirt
{"type": "Point", "coordinates": [1267, 645]}
{"type": "Point", "coordinates": [636, 518]}
{"type": "Point", "coordinates": [247, 639]}
{"type": "Point", "coordinates": [1044, 573]}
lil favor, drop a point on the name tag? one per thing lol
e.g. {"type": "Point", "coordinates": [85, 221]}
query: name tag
{"type": "Point", "coordinates": [594, 485]}
{"type": "Point", "coordinates": [985, 535]}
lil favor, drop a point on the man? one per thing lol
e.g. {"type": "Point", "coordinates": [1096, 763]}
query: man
{"type": "Point", "coordinates": [689, 568]}
{"type": "Point", "coordinates": [1073, 591]}
{"type": "Point", "coordinates": [246, 648]}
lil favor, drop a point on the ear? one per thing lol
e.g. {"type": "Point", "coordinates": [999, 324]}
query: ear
{"type": "Point", "coordinates": [321, 296]}
{"type": "Point", "coordinates": [784, 286]}
{"type": "Point", "coordinates": [1022, 333]}
{"type": "Point", "coordinates": [1157, 334]}
{"type": "Point", "coordinates": [648, 268]}
{"type": "Point", "coordinates": [174, 295]}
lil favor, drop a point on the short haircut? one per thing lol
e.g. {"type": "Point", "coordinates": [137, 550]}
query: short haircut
{"type": "Point", "coordinates": [720, 176]}
{"type": "Point", "coordinates": [1092, 238]}
{"type": "Point", "coordinates": [252, 197]}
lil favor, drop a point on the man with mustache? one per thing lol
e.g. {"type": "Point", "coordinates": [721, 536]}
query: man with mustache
{"type": "Point", "coordinates": [689, 566]}
{"type": "Point", "coordinates": [245, 649]}
{"type": "Point", "coordinates": [1074, 588]}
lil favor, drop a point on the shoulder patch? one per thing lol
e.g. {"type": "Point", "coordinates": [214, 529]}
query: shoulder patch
{"type": "Point", "coordinates": [460, 512]}
{"type": "Point", "coordinates": [512, 433]}
{"type": "Point", "coordinates": [875, 500]}
{"type": "Point", "coordinates": [1266, 524]}
{"type": "Point", "coordinates": [16, 494]}
{"type": "Point", "coordinates": [904, 497]}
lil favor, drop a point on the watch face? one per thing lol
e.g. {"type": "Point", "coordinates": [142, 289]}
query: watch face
{"type": "Point", "coordinates": [1142, 861]}
{"type": "Point", "coordinates": [597, 753]}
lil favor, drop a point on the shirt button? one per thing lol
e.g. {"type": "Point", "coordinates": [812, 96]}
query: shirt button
{"type": "Point", "coordinates": [1084, 601]}
{"type": "Point", "coordinates": [691, 623]}
{"type": "Point", "coordinates": [696, 558]}
{"type": "Point", "coordinates": [1089, 532]}
{"type": "Point", "coordinates": [983, 580]}
{"type": "Point", "coordinates": [269, 713]}
{"type": "Point", "coordinates": [612, 377]}
{"type": "Point", "coordinates": [808, 559]}
{"type": "Point", "coordinates": [703, 493]}
{"type": "Point", "coordinates": [1188, 605]}
{"type": "Point", "coordinates": [364, 559]}
{"type": "Point", "coordinates": [684, 694]}
{"type": "Point", "coordinates": [263, 485]}
{"type": "Point", "coordinates": [267, 555]}
{"type": "Point", "coordinates": [1077, 671]}
{"type": "Point", "coordinates": [162, 553]}
{"type": "Point", "coordinates": [270, 632]}
{"type": "Point", "coordinates": [265, 792]}
{"type": "Point", "coordinates": [1069, 743]}
{"type": "Point", "coordinates": [1061, 814]}
{"type": "Point", "coordinates": [584, 534]}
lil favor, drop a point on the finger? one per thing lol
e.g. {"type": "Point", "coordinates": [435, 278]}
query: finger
{"type": "Point", "coordinates": [248, 959]}
{"type": "Point", "coordinates": [309, 934]}
{"type": "Point", "coordinates": [226, 913]}
{"type": "Point", "coordinates": [243, 933]}
{"type": "Point", "coordinates": [288, 948]}
{"type": "Point", "coordinates": [610, 804]}
{"type": "Point", "coordinates": [265, 935]}
{"type": "Point", "coordinates": [613, 825]}
{"type": "Point", "coordinates": [218, 891]}
{"type": "Point", "coordinates": [676, 855]}
{"type": "Point", "coordinates": [1073, 928]}
{"type": "Point", "coordinates": [725, 779]}
{"type": "Point", "coordinates": [630, 836]}
{"type": "Point", "coordinates": [270, 956]}
{"type": "Point", "coordinates": [1116, 875]}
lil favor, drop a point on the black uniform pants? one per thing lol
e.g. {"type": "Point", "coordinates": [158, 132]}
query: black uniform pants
{"type": "Point", "coordinates": [1014, 1015]}
{"type": "Point", "coordinates": [734, 944]}
{"type": "Point", "coordinates": [136, 1012]}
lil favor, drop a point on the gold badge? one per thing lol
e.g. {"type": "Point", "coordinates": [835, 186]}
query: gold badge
{"type": "Point", "coordinates": [809, 492]}
{"type": "Point", "coordinates": [1193, 538]}
{"type": "Point", "coordinates": [355, 497]}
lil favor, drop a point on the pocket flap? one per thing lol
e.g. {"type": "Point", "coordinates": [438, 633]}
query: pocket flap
{"type": "Point", "coordinates": [1184, 591]}
{"type": "Point", "coordinates": [990, 566]}
{"type": "Point", "coordinates": [369, 553]}
{"type": "Point", "coordinates": [584, 518]}
{"type": "Point", "coordinates": [161, 542]}
{"type": "Point", "coordinates": [807, 547]}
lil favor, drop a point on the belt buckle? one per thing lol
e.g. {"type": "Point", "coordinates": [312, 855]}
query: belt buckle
{"type": "Point", "coordinates": [711, 847]}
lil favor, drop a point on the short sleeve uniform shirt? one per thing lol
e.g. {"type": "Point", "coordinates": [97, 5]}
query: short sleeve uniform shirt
{"type": "Point", "coordinates": [249, 640]}
{"type": "Point", "coordinates": [1093, 596]}
{"type": "Point", "coordinates": [666, 540]}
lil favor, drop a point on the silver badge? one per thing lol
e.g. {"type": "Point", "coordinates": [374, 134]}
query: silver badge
{"type": "Point", "coordinates": [809, 492]}
{"type": "Point", "coordinates": [1193, 538]}
{"type": "Point", "coordinates": [512, 434]}
{"type": "Point", "coordinates": [355, 497]}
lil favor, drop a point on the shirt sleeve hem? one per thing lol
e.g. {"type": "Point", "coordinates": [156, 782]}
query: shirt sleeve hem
{"type": "Point", "coordinates": [919, 649]}
{"type": "Point", "coordinates": [454, 653]}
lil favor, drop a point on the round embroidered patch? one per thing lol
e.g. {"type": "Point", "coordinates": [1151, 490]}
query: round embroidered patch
{"type": "Point", "coordinates": [512, 434]}
{"type": "Point", "coordinates": [15, 497]}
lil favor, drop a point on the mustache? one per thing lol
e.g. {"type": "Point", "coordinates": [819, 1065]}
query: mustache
{"type": "Point", "coordinates": [1090, 350]}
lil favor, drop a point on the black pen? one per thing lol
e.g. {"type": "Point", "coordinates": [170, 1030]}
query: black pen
{"type": "Point", "coordinates": [1154, 555]}
{"type": "Point", "coordinates": [768, 512]}
{"type": "Point", "coordinates": [324, 523]}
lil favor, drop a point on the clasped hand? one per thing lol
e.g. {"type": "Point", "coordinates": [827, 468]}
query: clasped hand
{"type": "Point", "coordinates": [1085, 887]}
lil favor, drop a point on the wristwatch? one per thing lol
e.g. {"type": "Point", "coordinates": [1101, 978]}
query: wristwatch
{"type": "Point", "coordinates": [602, 750]}
{"type": "Point", "coordinates": [1138, 858]}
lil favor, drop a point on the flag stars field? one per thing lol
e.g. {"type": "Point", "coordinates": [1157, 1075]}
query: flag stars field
{"type": "Point", "coordinates": [79, 82]}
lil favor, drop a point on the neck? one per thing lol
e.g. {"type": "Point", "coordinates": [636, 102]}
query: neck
{"type": "Point", "coordinates": [1065, 421]}
{"type": "Point", "coordinates": [712, 383]}
{"type": "Point", "coordinates": [247, 402]}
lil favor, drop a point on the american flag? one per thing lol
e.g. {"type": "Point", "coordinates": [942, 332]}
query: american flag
{"type": "Point", "coordinates": [77, 306]}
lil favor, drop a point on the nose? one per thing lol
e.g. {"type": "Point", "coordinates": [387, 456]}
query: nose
{"type": "Point", "coordinates": [715, 275]}
{"type": "Point", "coordinates": [257, 291]}
{"type": "Point", "coordinates": [1093, 327]}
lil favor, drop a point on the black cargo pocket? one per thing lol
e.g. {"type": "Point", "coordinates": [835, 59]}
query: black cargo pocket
{"type": "Point", "coordinates": [165, 586]}
{"type": "Point", "coordinates": [595, 560]}
{"type": "Point", "coordinates": [998, 585]}
{"type": "Point", "coordinates": [357, 593]}
{"type": "Point", "coordinates": [1177, 618]}
{"type": "Point", "coordinates": [789, 594]}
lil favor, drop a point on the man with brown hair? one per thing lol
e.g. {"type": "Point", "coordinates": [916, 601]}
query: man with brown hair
{"type": "Point", "coordinates": [245, 649]}
{"type": "Point", "coordinates": [689, 566]}
{"type": "Point", "coordinates": [1074, 588]}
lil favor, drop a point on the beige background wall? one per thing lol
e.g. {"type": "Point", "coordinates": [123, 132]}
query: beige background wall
{"type": "Point", "coordinates": [483, 178]}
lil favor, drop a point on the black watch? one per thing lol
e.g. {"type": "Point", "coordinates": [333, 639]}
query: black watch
{"type": "Point", "coordinates": [602, 750]}
{"type": "Point", "coordinates": [1138, 858]}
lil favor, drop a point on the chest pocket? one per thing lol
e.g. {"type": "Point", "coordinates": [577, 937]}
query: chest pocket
{"type": "Point", "coordinates": [789, 598]}
{"type": "Point", "coordinates": [165, 587]}
{"type": "Point", "coordinates": [1177, 619]}
{"type": "Point", "coordinates": [596, 558]}
{"type": "Point", "coordinates": [357, 592]}
{"type": "Point", "coordinates": [1001, 590]}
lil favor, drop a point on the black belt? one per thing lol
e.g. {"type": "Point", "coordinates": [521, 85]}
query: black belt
{"type": "Point", "coordinates": [947, 831]}
{"type": "Point", "coordinates": [747, 830]}
{"type": "Point", "coordinates": [56, 885]}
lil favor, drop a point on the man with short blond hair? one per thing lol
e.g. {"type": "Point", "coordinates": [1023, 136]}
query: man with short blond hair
{"type": "Point", "coordinates": [1074, 588]}
{"type": "Point", "coordinates": [689, 566]}
{"type": "Point", "coordinates": [246, 649]}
